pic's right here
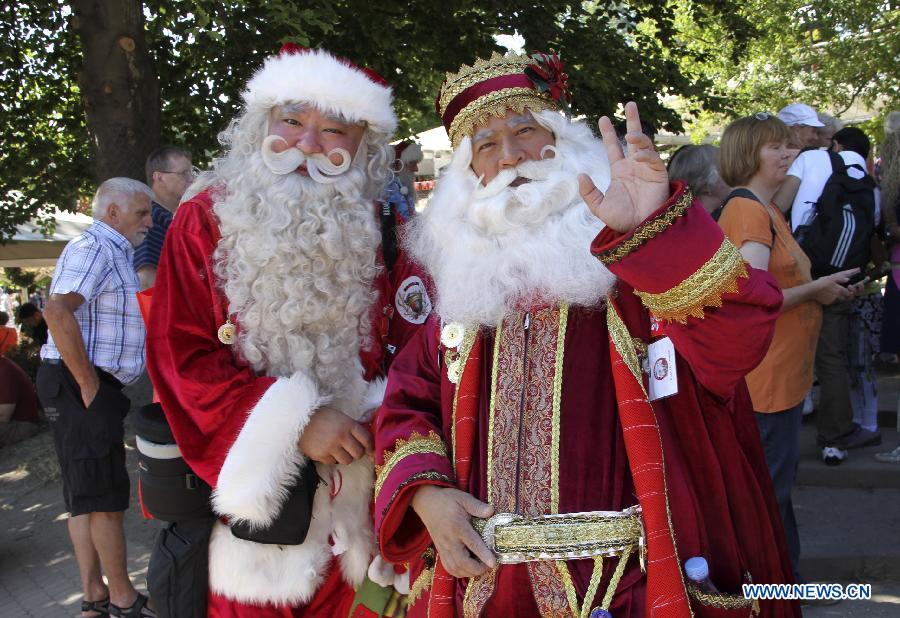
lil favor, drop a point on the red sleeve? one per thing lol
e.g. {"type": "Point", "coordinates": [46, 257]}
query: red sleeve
{"type": "Point", "coordinates": [205, 393]}
{"type": "Point", "coordinates": [719, 311]}
{"type": "Point", "coordinates": [409, 447]}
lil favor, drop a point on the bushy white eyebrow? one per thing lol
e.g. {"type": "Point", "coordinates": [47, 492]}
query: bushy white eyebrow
{"type": "Point", "coordinates": [511, 123]}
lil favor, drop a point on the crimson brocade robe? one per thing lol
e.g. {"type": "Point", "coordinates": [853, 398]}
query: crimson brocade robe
{"type": "Point", "coordinates": [548, 436]}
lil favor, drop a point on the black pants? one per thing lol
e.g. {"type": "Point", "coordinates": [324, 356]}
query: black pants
{"type": "Point", "coordinates": [89, 441]}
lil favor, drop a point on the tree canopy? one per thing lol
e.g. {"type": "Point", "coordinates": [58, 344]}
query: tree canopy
{"type": "Point", "coordinates": [89, 87]}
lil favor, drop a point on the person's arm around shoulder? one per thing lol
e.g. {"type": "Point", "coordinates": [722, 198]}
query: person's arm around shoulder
{"type": "Point", "coordinates": [60, 317]}
{"type": "Point", "coordinates": [784, 197]}
{"type": "Point", "coordinates": [147, 276]}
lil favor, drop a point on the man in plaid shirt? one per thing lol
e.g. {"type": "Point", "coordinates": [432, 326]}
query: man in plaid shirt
{"type": "Point", "coordinates": [96, 346]}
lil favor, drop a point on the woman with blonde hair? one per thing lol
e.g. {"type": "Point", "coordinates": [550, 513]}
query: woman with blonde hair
{"type": "Point", "coordinates": [754, 158]}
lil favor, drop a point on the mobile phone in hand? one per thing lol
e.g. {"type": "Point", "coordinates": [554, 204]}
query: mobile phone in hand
{"type": "Point", "coordinates": [854, 279]}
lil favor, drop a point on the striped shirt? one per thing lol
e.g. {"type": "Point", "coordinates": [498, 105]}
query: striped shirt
{"type": "Point", "coordinates": [147, 253]}
{"type": "Point", "coordinates": [97, 265]}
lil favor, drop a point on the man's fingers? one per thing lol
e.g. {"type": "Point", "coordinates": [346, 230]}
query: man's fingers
{"type": "Point", "coordinates": [591, 195]}
{"type": "Point", "coordinates": [363, 437]}
{"type": "Point", "coordinates": [610, 141]}
{"type": "Point", "coordinates": [650, 157]}
{"type": "Point", "coordinates": [476, 507]}
{"type": "Point", "coordinates": [476, 545]}
{"type": "Point", "coordinates": [633, 119]}
{"type": "Point", "coordinates": [342, 456]}
{"type": "Point", "coordinates": [353, 447]}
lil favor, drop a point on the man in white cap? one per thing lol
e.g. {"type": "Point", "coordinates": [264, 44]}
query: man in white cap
{"type": "Point", "coordinates": [265, 333]}
{"type": "Point", "coordinates": [803, 122]}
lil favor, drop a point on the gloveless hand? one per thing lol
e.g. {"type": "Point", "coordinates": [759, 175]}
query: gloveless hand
{"type": "Point", "coordinates": [446, 513]}
{"type": "Point", "coordinates": [639, 182]}
{"type": "Point", "coordinates": [333, 437]}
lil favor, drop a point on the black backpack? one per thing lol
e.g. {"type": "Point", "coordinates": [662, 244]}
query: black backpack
{"type": "Point", "coordinates": [839, 234]}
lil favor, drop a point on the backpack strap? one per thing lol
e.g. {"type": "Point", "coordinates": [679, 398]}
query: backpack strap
{"type": "Point", "coordinates": [747, 194]}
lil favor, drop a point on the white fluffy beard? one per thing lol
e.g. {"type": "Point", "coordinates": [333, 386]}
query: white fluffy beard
{"type": "Point", "coordinates": [297, 262]}
{"type": "Point", "coordinates": [524, 246]}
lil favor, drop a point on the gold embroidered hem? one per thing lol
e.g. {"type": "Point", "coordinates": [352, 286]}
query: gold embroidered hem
{"type": "Point", "coordinates": [415, 445]}
{"type": "Point", "coordinates": [648, 230]}
{"type": "Point", "coordinates": [721, 600]}
{"type": "Point", "coordinates": [704, 288]}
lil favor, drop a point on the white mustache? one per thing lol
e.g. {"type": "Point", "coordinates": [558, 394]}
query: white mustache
{"type": "Point", "coordinates": [532, 170]}
{"type": "Point", "coordinates": [319, 166]}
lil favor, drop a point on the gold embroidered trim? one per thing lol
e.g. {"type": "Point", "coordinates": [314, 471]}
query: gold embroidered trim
{"type": "Point", "coordinates": [622, 339]}
{"type": "Point", "coordinates": [417, 444]}
{"type": "Point", "coordinates": [572, 534]}
{"type": "Point", "coordinates": [478, 593]}
{"type": "Point", "coordinates": [557, 401]}
{"type": "Point", "coordinates": [703, 288]}
{"type": "Point", "coordinates": [481, 70]}
{"type": "Point", "coordinates": [464, 349]}
{"type": "Point", "coordinates": [423, 582]}
{"type": "Point", "coordinates": [722, 600]}
{"type": "Point", "coordinates": [490, 441]}
{"type": "Point", "coordinates": [647, 230]}
{"type": "Point", "coordinates": [496, 104]}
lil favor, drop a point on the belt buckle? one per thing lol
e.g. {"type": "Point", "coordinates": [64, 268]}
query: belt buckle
{"type": "Point", "coordinates": [488, 527]}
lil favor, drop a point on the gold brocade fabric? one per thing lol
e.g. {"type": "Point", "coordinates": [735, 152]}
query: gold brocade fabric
{"type": "Point", "coordinates": [416, 444]}
{"type": "Point", "coordinates": [704, 288]}
{"type": "Point", "coordinates": [648, 229]}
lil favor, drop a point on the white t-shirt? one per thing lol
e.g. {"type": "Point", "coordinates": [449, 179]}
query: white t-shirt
{"type": "Point", "coordinates": [813, 168]}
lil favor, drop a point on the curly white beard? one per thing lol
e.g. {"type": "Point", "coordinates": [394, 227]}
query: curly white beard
{"type": "Point", "coordinates": [523, 245]}
{"type": "Point", "coordinates": [297, 262]}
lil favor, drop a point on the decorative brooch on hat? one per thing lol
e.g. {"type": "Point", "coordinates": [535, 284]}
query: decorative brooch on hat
{"type": "Point", "coordinates": [548, 74]}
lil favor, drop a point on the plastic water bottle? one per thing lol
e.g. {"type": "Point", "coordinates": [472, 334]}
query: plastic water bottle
{"type": "Point", "coordinates": [697, 570]}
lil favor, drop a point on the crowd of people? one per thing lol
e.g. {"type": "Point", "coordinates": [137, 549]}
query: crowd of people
{"type": "Point", "coordinates": [547, 394]}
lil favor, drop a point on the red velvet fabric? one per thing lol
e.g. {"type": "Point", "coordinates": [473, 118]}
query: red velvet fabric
{"type": "Point", "coordinates": [719, 492]}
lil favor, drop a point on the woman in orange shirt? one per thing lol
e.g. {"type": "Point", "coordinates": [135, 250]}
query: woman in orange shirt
{"type": "Point", "coordinates": [8, 335]}
{"type": "Point", "coordinates": [755, 158]}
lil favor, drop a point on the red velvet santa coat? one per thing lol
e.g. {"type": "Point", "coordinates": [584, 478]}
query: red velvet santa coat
{"type": "Point", "coordinates": [548, 431]}
{"type": "Point", "coordinates": [239, 432]}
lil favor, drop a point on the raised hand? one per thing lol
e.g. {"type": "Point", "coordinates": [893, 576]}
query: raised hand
{"type": "Point", "coordinates": [639, 182]}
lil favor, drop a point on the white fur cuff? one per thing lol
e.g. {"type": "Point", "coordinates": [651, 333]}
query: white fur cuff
{"type": "Point", "coordinates": [265, 459]}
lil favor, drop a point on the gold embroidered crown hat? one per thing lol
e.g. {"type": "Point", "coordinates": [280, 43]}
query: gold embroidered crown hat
{"type": "Point", "coordinates": [492, 87]}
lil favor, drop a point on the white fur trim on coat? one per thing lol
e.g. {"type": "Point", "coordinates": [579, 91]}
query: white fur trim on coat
{"type": "Point", "coordinates": [318, 77]}
{"type": "Point", "coordinates": [265, 459]}
{"type": "Point", "coordinates": [289, 575]}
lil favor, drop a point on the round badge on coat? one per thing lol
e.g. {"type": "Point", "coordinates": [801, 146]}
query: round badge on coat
{"type": "Point", "coordinates": [412, 300]}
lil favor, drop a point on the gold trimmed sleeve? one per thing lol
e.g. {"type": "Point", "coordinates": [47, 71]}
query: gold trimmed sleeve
{"type": "Point", "coordinates": [704, 288]}
{"type": "Point", "coordinates": [661, 220]}
{"type": "Point", "coordinates": [416, 444]}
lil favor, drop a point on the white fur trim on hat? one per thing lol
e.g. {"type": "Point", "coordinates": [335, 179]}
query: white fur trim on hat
{"type": "Point", "coordinates": [318, 77]}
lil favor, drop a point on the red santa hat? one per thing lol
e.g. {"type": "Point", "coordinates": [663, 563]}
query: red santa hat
{"type": "Point", "coordinates": [333, 84]}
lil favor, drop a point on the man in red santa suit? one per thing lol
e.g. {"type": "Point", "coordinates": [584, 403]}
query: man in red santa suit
{"type": "Point", "coordinates": [264, 301]}
{"type": "Point", "coordinates": [574, 427]}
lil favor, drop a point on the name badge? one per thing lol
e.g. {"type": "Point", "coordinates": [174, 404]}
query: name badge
{"type": "Point", "coordinates": [661, 367]}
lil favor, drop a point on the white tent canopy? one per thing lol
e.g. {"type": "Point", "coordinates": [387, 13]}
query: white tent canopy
{"type": "Point", "coordinates": [29, 247]}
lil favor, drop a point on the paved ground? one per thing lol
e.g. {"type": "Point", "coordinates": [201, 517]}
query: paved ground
{"type": "Point", "coordinates": [849, 519]}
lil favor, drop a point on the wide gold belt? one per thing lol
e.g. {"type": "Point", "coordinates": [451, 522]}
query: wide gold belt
{"type": "Point", "coordinates": [519, 538]}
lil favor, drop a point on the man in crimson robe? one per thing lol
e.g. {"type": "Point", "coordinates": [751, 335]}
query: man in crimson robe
{"type": "Point", "coordinates": [268, 326]}
{"type": "Point", "coordinates": [572, 425]}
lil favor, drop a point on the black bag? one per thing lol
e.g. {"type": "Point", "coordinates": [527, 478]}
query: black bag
{"type": "Point", "coordinates": [292, 523]}
{"type": "Point", "coordinates": [170, 491]}
{"type": "Point", "coordinates": [838, 236]}
{"type": "Point", "coordinates": [178, 574]}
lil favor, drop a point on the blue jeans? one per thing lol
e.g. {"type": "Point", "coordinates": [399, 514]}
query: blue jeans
{"type": "Point", "coordinates": [780, 433]}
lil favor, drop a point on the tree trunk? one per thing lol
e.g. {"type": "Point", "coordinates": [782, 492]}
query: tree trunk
{"type": "Point", "coordinates": [119, 86]}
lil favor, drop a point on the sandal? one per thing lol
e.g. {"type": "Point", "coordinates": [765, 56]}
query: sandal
{"type": "Point", "coordinates": [138, 609]}
{"type": "Point", "coordinates": [101, 607]}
